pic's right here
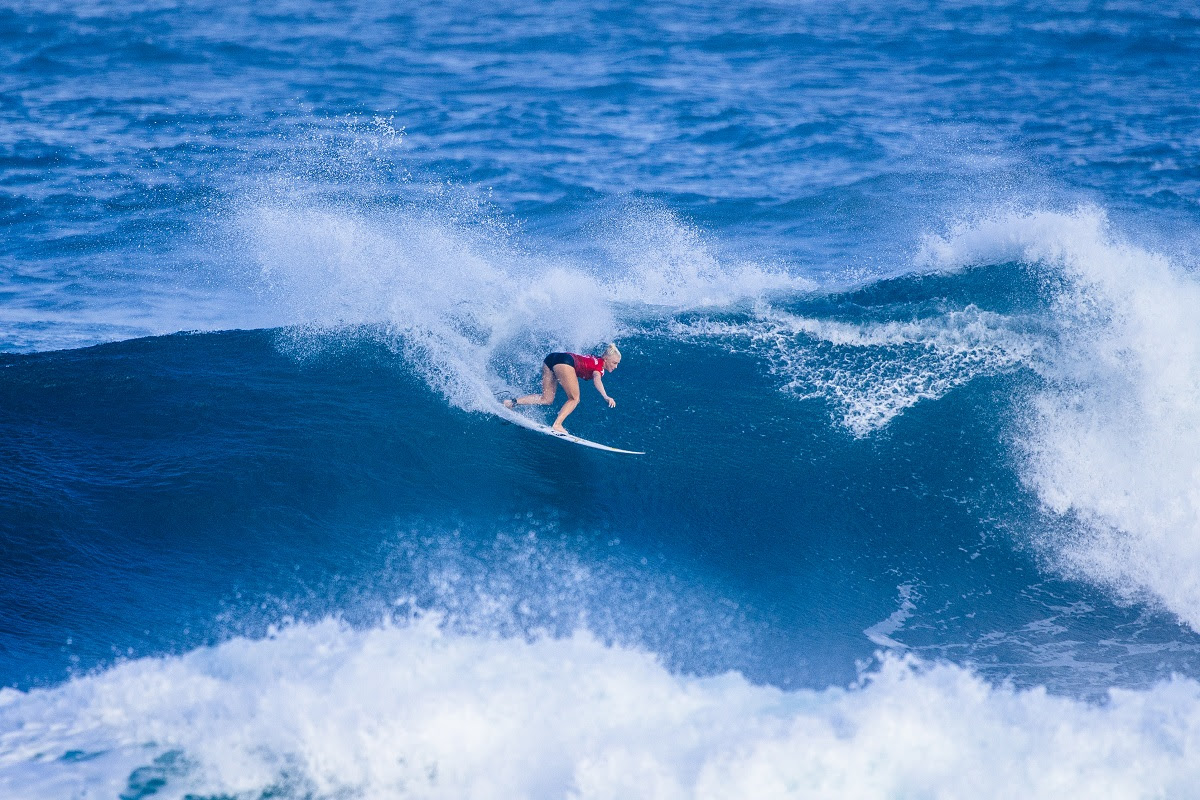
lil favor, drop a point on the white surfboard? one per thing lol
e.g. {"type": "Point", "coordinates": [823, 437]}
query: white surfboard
{"type": "Point", "coordinates": [525, 422]}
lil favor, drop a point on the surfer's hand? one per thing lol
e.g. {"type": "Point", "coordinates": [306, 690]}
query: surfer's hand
{"type": "Point", "coordinates": [612, 403]}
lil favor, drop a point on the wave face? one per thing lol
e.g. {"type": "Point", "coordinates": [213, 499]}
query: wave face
{"type": "Point", "coordinates": [907, 300]}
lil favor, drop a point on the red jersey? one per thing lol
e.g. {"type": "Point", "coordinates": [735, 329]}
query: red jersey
{"type": "Point", "coordinates": [587, 366]}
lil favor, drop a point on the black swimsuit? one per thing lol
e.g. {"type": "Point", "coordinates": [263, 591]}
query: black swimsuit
{"type": "Point", "coordinates": [555, 359]}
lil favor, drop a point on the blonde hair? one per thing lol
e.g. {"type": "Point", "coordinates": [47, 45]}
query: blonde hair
{"type": "Point", "coordinates": [611, 350]}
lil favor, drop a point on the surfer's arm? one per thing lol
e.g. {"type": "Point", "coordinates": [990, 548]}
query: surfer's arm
{"type": "Point", "coordinates": [600, 388]}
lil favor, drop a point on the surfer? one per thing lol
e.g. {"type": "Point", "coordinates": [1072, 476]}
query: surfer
{"type": "Point", "coordinates": [568, 369]}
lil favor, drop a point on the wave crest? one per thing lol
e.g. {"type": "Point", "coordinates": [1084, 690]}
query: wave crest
{"type": "Point", "coordinates": [1111, 443]}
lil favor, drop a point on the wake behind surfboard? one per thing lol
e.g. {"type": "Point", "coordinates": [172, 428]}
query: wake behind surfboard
{"type": "Point", "coordinates": [525, 422]}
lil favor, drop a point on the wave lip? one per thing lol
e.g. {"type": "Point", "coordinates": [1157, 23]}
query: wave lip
{"type": "Point", "coordinates": [411, 710]}
{"type": "Point", "coordinates": [1111, 443]}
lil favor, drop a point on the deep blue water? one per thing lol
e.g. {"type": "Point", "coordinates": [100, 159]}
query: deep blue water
{"type": "Point", "coordinates": [908, 305]}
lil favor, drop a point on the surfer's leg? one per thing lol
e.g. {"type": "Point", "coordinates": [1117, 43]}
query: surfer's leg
{"type": "Point", "coordinates": [566, 376]}
{"type": "Point", "coordinates": [549, 389]}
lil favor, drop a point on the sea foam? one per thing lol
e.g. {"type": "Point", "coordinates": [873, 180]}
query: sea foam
{"type": "Point", "coordinates": [409, 710]}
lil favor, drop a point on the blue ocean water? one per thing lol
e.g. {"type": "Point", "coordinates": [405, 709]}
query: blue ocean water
{"type": "Point", "coordinates": [907, 296]}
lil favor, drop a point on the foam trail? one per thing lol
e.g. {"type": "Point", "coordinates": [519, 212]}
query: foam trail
{"type": "Point", "coordinates": [881, 632]}
{"type": "Point", "coordinates": [871, 372]}
{"type": "Point", "coordinates": [1112, 444]}
{"type": "Point", "coordinates": [409, 710]}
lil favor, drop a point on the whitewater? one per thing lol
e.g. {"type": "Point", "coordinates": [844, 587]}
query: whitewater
{"type": "Point", "coordinates": [907, 298]}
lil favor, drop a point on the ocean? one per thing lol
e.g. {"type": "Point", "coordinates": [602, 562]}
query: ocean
{"type": "Point", "coordinates": [909, 302]}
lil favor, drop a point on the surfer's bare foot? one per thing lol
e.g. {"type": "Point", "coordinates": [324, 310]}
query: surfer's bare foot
{"type": "Point", "coordinates": [509, 403]}
{"type": "Point", "coordinates": [558, 429]}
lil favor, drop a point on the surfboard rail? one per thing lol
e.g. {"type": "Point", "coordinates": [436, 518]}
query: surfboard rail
{"type": "Point", "coordinates": [517, 418]}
